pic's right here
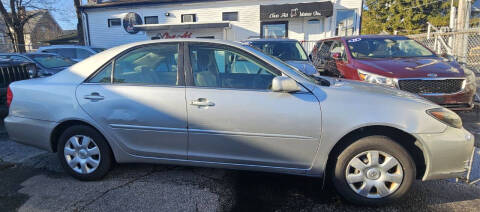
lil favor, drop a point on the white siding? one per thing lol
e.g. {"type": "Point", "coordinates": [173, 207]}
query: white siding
{"type": "Point", "coordinates": [247, 26]}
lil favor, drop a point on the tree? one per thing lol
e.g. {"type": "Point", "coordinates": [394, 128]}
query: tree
{"type": "Point", "coordinates": [403, 16]}
{"type": "Point", "coordinates": [15, 16]}
{"type": "Point", "coordinates": [79, 22]}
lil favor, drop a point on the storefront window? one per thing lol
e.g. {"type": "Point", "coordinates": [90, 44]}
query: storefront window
{"type": "Point", "coordinates": [345, 24]}
{"type": "Point", "coordinates": [274, 29]}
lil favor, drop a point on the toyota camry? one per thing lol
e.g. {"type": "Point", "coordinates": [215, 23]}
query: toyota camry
{"type": "Point", "coordinates": [226, 105]}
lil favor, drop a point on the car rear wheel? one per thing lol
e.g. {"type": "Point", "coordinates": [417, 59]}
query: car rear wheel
{"type": "Point", "coordinates": [84, 153]}
{"type": "Point", "coordinates": [374, 170]}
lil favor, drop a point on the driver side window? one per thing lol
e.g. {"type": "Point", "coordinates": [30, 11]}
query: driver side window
{"type": "Point", "coordinates": [224, 68]}
{"type": "Point", "coordinates": [339, 48]}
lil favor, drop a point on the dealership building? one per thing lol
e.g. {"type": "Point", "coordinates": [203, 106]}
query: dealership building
{"type": "Point", "coordinates": [112, 23]}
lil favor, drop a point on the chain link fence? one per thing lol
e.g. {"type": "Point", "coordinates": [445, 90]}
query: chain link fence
{"type": "Point", "coordinates": [464, 46]}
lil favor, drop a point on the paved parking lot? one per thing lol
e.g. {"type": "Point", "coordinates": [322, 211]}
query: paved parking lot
{"type": "Point", "coordinates": [32, 180]}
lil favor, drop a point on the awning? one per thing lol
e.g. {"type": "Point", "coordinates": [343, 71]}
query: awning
{"type": "Point", "coordinates": [152, 27]}
{"type": "Point", "coordinates": [301, 10]}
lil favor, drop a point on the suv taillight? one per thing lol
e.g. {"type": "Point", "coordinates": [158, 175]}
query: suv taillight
{"type": "Point", "coordinates": [9, 96]}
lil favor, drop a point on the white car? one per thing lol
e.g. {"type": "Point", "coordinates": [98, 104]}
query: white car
{"type": "Point", "coordinates": [75, 52]}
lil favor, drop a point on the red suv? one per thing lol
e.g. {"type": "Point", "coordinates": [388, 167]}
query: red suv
{"type": "Point", "coordinates": [399, 62]}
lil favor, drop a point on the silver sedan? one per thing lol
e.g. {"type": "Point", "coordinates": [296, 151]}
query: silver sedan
{"type": "Point", "coordinates": [221, 104]}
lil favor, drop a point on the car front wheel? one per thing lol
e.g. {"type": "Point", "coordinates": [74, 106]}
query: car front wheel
{"type": "Point", "coordinates": [84, 153]}
{"type": "Point", "coordinates": [374, 170]}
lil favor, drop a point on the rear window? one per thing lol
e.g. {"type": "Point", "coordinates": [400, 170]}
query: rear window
{"type": "Point", "coordinates": [52, 61]}
{"type": "Point", "coordinates": [284, 50]}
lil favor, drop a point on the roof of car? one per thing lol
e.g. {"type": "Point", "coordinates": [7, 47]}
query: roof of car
{"type": "Point", "coordinates": [38, 53]}
{"type": "Point", "coordinates": [66, 46]}
{"type": "Point", "coordinates": [26, 54]}
{"type": "Point", "coordinates": [271, 40]}
{"type": "Point", "coordinates": [363, 36]}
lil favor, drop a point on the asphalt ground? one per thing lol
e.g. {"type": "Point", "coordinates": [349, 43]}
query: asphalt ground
{"type": "Point", "coordinates": [32, 180]}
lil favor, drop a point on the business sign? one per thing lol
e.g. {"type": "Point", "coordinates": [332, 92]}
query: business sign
{"type": "Point", "coordinates": [301, 10]}
{"type": "Point", "coordinates": [168, 35]}
{"type": "Point", "coordinates": [131, 19]}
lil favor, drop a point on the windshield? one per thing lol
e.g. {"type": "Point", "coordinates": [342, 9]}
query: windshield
{"type": "Point", "coordinates": [285, 50]}
{"type": "Point", "coordinates": [386, 48]}
{"type": "Point", "coordinates": [98, 50]}
{"type": "Point", "coordinates": [310, 78]}
{"type": "Point", "coordinates": [52, 61]}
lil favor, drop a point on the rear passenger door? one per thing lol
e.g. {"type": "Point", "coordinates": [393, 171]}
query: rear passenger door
{"type": "Point", "coordinates": [143, 105]}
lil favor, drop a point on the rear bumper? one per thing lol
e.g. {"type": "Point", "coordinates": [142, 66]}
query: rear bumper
{"type": "Point", "coordinates": [30, 131]}
{"type": "Point", "coordinates": [446, 154]}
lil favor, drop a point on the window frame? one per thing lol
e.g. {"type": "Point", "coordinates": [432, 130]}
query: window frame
{"type": "Point", "coordinates": [193, 21]}
{"type": "Point", "coordinates": [344, 53]}
{"type": "Point", "coordinates": [336, 31]}
{"type": "Point", "coordinates": [262, 33]}
{"type": "Point", "coordinates": [111, 25]}
{"type": "Point", "coordinates": [224, 13]}
{"type": "Point", "coordinates": [153, 16]}
{"type": "Point", "coordinates": [189, 79]}
{"type": "Point", "coordinates": [180, 67]}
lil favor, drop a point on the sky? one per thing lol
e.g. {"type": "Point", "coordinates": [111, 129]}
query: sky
{"type": "Point", "coordinates": [64, 13]}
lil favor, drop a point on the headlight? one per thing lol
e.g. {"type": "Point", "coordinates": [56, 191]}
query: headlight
{"type": "Point", "coordinates": [446, 116]}
{"type": "Point", "coordinates": [374, 78]}
{"type": "Point", "coordinates": [32, 71]}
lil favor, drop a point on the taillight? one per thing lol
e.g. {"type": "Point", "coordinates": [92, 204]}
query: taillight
{"type": "Point", "coordinates": [9, 96]}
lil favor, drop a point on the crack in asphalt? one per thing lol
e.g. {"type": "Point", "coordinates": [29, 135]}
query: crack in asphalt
{"type": "Point", "coordinates": [82, 208]}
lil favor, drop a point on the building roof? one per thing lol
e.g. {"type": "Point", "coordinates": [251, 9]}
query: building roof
{"type": "Point", "coordinates": [40, 14]}
{"type": "Point", "coordinates": [67, 37]}
{"type": "Point", "coordinates": [119, 3]}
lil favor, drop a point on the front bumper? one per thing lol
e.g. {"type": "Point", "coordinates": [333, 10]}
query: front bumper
{"type": "Point", "coordinates": [458, 101]}
{"type": "Point", "coordinates": [447, 154]}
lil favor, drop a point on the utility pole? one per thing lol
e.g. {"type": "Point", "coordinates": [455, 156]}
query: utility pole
{"type": "Point", "coordinates": [463, 17]}
{"type": "Point", "coordinates": [81, 40]}
{"type": "Point", "coordinates": [463, 14]}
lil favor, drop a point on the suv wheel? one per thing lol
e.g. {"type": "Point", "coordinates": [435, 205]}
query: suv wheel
{"type": "Point", "coordinates": [84, 153]}
{"type": "Point", "coordinates": [373, 171]}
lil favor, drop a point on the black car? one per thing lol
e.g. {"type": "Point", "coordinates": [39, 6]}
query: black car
{"type": "Point", "coordinates": [47, 63]}
{"type": "Point", "coordinates": [11, 71]}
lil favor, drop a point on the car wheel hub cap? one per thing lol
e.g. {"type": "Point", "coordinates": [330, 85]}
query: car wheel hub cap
{"type": "Point", "coordinates": [374, 174]}
{"type": "Point", "coordinates": [82, 154]}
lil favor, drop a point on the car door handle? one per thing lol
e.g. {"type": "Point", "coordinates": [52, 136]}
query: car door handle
{"type": "Point", "coordinates": [202, 102]}
{"type": "Point", "coordinates": [94, 97]}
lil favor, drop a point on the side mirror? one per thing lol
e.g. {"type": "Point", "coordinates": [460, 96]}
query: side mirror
{"type": "Point", "coordinates": [284, 84]}
{"type": "Point", "coordinates": [336, 56]}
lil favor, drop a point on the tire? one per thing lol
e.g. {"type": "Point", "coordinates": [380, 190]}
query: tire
{"type": "Point", "coordinates": [391, 187]}
{"type": "Point", "coordinates": [77, 146]}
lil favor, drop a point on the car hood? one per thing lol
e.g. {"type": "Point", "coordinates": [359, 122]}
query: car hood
{"type": "Point", "coordinates": [411, 67]}
{"type": "Point", "coordinates": [304, 66]}
{"type": "Point", "coordinates": [370, 90]}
